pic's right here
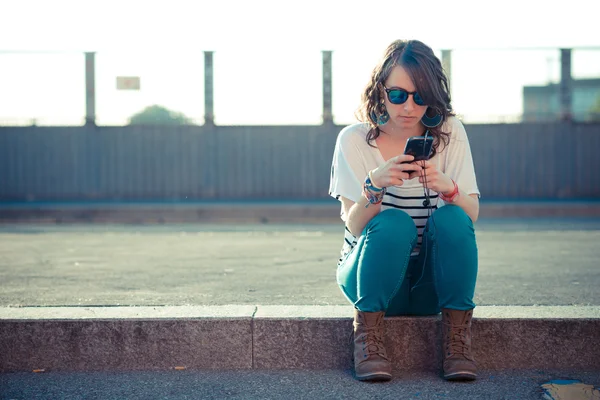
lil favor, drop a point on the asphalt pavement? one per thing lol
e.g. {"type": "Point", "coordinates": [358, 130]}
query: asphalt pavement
{"type": "Point", "coordinates": [551, 261]}
{"type": "Point", "coordinates": [292, 384]}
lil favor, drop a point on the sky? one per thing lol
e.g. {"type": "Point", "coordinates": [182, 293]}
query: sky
{"type": "Point", "coordinates": [267, 54]}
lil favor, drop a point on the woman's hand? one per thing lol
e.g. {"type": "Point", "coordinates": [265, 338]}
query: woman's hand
{"type": "Point", "coordinates": [436, 180]}
{"type": "Point", "coordinates": [394, 171]}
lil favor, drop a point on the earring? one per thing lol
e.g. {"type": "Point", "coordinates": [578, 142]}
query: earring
{"type": "Point", "coordinates": [384, 116]}
{"type": "Point", "coordinates": [431, 122]}
{"type": "Point", "coordinates": [381, 119]}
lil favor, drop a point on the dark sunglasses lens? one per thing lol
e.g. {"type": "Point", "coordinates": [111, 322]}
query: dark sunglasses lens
{"type": "Point", "coordinates": [398, 96]}
{"type": "Point", "coordinates": [418, 99]}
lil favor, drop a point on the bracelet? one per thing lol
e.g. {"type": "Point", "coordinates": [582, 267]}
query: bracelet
{"type": "Point", "coordinates": [449, 198]}
{"type": "Point", "coordinates": [372, 184]}
{"type": "Point", "coordinates": [372, 193]}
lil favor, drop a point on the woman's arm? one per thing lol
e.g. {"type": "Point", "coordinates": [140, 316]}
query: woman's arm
{"type": "Point", "coordinates": [357, 216]}
{"type": "Point", "coordinates": [459, 165]}
{"type": "Point", "coordinates": [392, 173]}
{"type": "Point", "coordinates": [441, 183]}
{"type": "Point", "coordinates": [469, 203]}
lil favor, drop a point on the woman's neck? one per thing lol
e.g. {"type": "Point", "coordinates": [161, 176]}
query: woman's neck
{"type": "Point", "coordinates": [398, 133]}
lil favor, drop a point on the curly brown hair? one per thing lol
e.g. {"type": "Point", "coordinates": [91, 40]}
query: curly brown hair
{"type": "Point", "coordinates": [425, 70]}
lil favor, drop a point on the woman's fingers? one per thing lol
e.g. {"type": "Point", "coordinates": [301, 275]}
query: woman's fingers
{"type": "Point", "coordinates": [414, 174]}
{"type": "Point", "coordinates": [401, 168]}
{"type": "Point", "coordinates": [425, 163]}
{"type": "Point", "coordinates": [410, 168]}
{"type": "Point", "coordinates": [403, 158]}
{"type": "Point", "coordinates": [426, 168]}
{"type": "Point", "coordinates": [397, 177]}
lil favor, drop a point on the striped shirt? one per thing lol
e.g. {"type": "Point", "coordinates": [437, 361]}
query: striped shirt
{"type": "Point", "coordinates": [353, 158]}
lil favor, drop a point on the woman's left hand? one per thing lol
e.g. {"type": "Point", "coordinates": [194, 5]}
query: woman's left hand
{"type": "Point", "coordinates": [436, 180]}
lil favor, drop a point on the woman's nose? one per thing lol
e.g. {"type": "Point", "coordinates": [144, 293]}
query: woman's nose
{"type": "Point", "coordinates": [409, 105]}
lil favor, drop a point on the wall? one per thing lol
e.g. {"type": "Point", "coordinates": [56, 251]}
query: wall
{"type": "Point", "coordinates": [513, 161]}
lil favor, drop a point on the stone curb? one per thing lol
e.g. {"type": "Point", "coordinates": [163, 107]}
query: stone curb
{"type": "Point", "coordinates": [253, 213]}
{"type": "Point", "coordinates": [282, 337]}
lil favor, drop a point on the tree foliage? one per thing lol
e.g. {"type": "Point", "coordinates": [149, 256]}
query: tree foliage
{"type": "Point", "coordinates": [159, 115]}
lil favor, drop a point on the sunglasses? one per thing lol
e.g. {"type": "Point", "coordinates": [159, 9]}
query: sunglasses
{"type": "Point", "coordinates": [399, 96]}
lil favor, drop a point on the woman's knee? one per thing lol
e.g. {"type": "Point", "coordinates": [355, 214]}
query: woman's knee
{"type": "Point", "coordinates": [452, 222]}
{"type": "Point", "coordinates": [392, 222]}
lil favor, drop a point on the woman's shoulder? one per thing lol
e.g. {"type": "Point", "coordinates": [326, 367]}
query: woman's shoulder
{"type": "Point", "coordinates": [454, 126]}
{"type": "Point", "coordinates": [354, 133]}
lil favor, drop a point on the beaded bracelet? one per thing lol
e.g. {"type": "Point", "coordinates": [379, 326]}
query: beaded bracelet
{"type": "Point", "coordinates": [371, 192]}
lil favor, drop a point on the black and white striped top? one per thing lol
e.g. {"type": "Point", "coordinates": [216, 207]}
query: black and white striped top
{"type": "Point", "coordinates": [412, 205]}
{"type": "Point", "coordinates": [353, 158]}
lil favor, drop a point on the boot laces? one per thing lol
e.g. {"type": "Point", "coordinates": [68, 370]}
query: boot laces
{"type": "Point", "coordinates": [457, 340]}
{"type": "Point", "coordinates": [373, 342]}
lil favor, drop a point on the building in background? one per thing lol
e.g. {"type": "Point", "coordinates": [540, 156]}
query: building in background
{"type": "Point", "coordinates": [542, 103]}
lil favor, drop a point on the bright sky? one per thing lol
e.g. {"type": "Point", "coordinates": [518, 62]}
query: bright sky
{"type": "Point", "coordinates": [268, 54]}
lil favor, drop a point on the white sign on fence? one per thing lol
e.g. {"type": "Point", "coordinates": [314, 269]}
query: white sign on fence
{"type": "Point", "coordinates": [128, 83]}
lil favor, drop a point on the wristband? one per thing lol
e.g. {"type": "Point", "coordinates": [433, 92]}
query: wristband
{"type": "Point", "coordinates": [372, 193]}
{"type": "Point", "coordinates": [372, 184]}
{"type": "Point", "coordinates": [450, 197]}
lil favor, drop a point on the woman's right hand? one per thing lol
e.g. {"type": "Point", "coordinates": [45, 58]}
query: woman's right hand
{"type": "Point", "coordinates": [394, 172]}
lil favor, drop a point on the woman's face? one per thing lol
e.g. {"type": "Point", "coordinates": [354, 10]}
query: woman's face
{"type": "Point", "coordinates": [408, 114]}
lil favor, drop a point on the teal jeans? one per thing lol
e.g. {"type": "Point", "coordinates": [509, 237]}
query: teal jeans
{"type": "Point", "coordinates": [379, 273]}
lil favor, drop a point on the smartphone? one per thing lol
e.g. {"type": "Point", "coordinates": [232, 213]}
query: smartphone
{"type": "Point", "coordinates": [419, 147]}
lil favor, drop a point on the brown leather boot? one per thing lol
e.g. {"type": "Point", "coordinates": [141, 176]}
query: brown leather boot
{"type": "Point", "coordinates": [370, 358]}
{"type": "Point", "coordinates": [459, 363]}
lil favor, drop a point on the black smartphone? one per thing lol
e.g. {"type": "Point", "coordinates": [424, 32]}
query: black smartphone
{"type": "Point", "coordinates": [419, 147]}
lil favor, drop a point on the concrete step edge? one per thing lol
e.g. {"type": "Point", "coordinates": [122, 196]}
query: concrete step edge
{"type": "Point", "coordinates": [311, 212]}
{"type": "Point", "coordinates": [283, 337]}
{"type": "Point", "coordinates": [271, 312]}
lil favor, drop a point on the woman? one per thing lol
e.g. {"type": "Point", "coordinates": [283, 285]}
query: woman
{"type": "Point", "coordinates": [409, 246]}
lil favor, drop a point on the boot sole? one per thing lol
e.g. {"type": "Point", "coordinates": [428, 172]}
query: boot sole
{"type": "Point", "coordinates": [461, 376]}
{"type": "Point", "coordinates": [377, 377]}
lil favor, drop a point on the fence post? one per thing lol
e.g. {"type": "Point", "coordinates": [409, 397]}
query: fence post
{"type": "Point", "coordinates": [566, 86]}
{"type": "Point", "coordinates": [447, 65]}
{"type": "Point", "coordinates": [209, 116]}
{"type": "Point", "coordinates": [327, 111]}
{"type": "Point", "coordinates": [90, 88]}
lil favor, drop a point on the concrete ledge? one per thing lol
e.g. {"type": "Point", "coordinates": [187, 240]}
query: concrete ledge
{"type": "Point", "coordinates": [163, 213]}
{"type": "Point", "coordinates": [282, 337]}
{"type": "Point", "coordinates": [125, 338]}
{"type": "Point", "coordinates": [252, 212]}
{"type": "Point", "coordinates": [481, 312]}
{"type": "Point", "coordinates": [504, 337]}
{"type": "Point", "coordinates": [125, 313]}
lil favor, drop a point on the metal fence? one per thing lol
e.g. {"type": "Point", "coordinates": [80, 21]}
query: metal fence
{"type": "Point", "coordinates": [70, 88]}
{"type": "Point", "coordinates": [153, 163]}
